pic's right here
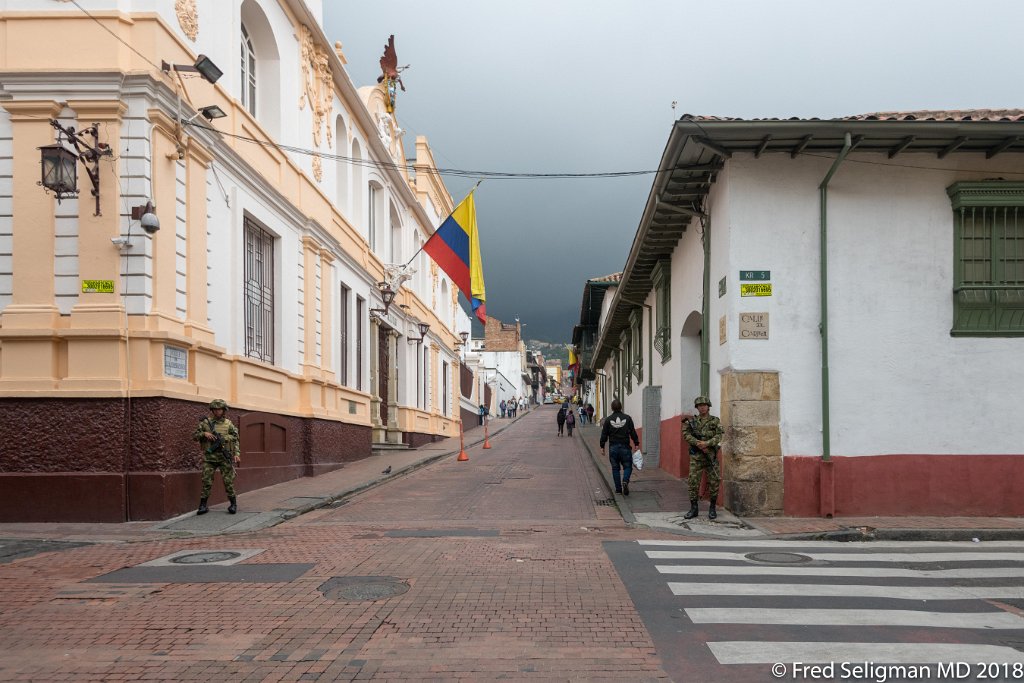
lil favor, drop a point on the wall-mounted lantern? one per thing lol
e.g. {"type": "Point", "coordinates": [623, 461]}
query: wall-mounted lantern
{"type": "Point", "coordinates": [59, 167]}
{"type": "Point", "coordinates": [387, 295]}
{"type": "Point", "coordinates": [424, 328]}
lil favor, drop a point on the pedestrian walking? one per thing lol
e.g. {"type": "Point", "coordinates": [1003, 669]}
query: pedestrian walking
{"type": "Point", "coordinates": [704, 434]}
{"type": "Point", "coordinates": [219, 440]}
{"type": "Point", "coordinates": [590, 413]}
{"type": "Point", "coordinates": [502, 407]}
{"type": "Point", "coordinates": [560, 418]}
{"type": "Point", "coordinates": [570, 420]}
{"type": "Point", "coordinates": [618, 432]}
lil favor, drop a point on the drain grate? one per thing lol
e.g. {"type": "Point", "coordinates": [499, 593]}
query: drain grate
{"type": "Point", "coordinates": [204, 558]}
{"type": "Point", "coordinates": [357, 588]}
{"type": "Point", "coordinates": [610, 502]}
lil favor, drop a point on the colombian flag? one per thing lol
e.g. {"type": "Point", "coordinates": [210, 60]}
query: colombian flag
{"type": "Point", "coordinates": [455, 246]}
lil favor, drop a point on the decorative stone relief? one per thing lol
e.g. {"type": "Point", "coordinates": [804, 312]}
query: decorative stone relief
{"type": "Point", "coordinates": [384, 129]}
{"type": "Point", "coordinates": [188, 17]}
{"type": "Point", "coordinates": [433, 287]}
{"type": "Point", "coordinates": [318, 91]}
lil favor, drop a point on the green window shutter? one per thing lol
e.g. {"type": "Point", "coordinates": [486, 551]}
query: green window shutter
{"type": "Point", "coordinates": [988, 253]}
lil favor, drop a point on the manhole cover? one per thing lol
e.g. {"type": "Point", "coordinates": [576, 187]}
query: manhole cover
{"type": "Point", "coordinates": [205, 558]}
{"type": "Point", "coordinates": [362, 587]}
{"type": "Point", "coordinates": [779, 558]}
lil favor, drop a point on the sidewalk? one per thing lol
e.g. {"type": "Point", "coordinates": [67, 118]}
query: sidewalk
{"type": "Point", "coordinates": [659, 500]}
{"type": "Point", "coordinates": [264, 507]}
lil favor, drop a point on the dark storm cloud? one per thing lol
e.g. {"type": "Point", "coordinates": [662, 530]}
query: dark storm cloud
{"type": "Point", "coordinates": [587, 85]}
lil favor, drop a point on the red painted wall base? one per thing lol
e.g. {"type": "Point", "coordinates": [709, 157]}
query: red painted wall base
{"type": "Point", "coordinates": [904, 485]}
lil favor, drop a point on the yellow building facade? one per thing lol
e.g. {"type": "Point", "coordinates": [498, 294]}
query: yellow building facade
{"type": "Point", "coordinates": [280, 225]}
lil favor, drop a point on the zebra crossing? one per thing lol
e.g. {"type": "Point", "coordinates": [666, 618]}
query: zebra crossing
{"type": "Point", "coordinates": [921, 603]}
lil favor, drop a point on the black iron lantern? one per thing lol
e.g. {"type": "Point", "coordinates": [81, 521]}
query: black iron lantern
{"type": "Point", "coordinates": [465, 336]}
{"type": "Point", "coordinates": [60, 170]}
{"type": "Point", "coordinates": [424, 328]}
{"type": "Point", "coordinates": [387, 295]}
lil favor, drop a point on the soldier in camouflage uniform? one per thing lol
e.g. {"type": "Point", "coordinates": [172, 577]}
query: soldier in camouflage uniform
{"type": "Point", "coordinates": [219, 439]}
{"type": "Point", "coordinates": [704, 434]}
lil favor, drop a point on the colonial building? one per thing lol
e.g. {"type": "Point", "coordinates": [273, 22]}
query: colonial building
{"type": "Point", "coordinates": [239, 229]}
{"type": "Point", "coordinates": [850, 293]}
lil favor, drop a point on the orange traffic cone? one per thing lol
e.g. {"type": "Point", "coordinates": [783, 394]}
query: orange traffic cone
{"type": "Point", "coordinates": [463, 456]}
{"type": "Point", "coordinates": [487, 443]}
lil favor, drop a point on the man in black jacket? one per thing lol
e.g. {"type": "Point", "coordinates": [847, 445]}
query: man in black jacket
{"type": "Point", "coordinates": [618, 432]}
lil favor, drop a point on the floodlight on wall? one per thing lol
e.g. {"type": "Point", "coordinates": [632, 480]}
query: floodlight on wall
{"type": "Point", "coordinates": [209, 113]}
{"type": "Point", "coordinates": [59, 164]}
{"type": "Point", "coordinates": [424, 328]}
{"type": "Point", "coordinates": [203, 66]}
{"type": "Point", "coordinates": [387, 295]}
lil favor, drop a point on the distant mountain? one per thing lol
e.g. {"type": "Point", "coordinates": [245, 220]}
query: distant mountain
{"type": "Point", "coordinates": [550, 350]}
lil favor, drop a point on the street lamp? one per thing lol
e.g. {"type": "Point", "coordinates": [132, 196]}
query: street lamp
{"type": "Point", "coordinates": [58, 163]}
{"type": "Point", "coordinates": [387, 295]}
{"type": "Point", "coordinates": [424, 328]}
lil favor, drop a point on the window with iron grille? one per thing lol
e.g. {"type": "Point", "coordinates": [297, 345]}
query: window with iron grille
{"type": "Point", "coordinates": [259, 292]}
{"type": "Point", "coordinates": [988, 259]}
{"type": "Point", "coordinates": [446, 398]}
{"type": "Point", "coordinates": [663, 308]}
{"type": "Point", "coordinates": [636, 317]}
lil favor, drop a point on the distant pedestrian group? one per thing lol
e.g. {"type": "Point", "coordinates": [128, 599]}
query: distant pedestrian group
{"type": "Point", "coordinates": [566, 418]}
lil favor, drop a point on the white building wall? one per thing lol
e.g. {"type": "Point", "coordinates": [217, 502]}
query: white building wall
{"type": "Point", "coordinates": [899, 382]}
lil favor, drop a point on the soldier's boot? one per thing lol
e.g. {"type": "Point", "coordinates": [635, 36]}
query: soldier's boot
{"type": "Point", "coordinates": [693, 510]}
{"type": "Point", "coordinates": [712, 513]}
{"type": "Point", "coordinates": [233, 508]}
{"type": "Point", "coordinates": [202, 507]}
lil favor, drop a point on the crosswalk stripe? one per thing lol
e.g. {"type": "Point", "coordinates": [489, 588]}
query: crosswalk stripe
{"type": "Point", "coordinates": [853, 617]}
{"type": "Point", "coordinates": [761, 652]}
{"type": "Point", "coordinates": [775, 545]}
{"type": "Point", "coordinates": [881, 572]}
{"type": "Point", "coordinates": [849, 591]}
{"type": "Point", "coordinates": [841, 557]}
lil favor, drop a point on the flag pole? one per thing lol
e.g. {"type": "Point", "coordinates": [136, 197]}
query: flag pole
{"type": "Point", "coordinates": [431, 237]}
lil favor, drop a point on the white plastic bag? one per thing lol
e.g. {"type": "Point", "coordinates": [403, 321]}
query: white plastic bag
{"type": "Point", "coordinates": [638, 459]}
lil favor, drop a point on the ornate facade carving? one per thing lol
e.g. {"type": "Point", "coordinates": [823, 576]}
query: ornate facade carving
{"type": "Point", "coordinates": [188, 17]}
{"type": "Point", "coordinates": [318, 91]}
{"type": "Point", "coordinates": [433, 286]}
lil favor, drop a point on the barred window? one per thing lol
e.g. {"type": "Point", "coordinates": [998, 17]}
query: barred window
{"type": "Point", "coordinates": [663, 308]}
{"type": "Point", "coordinates": [360, 331]}
{"type": "Point", "coordinates": [259, 292]}
{"type": "Point", "coordinates": [988, 262]}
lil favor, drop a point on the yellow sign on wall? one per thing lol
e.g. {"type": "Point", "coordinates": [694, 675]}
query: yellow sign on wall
{"type": "Point", "coordinates": [755, 289]}
{"type": "Point", "coordinates": [97, 286]}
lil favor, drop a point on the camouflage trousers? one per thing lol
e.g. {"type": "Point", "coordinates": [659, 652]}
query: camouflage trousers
{"type": "Point", "coordinates": [699, 462]}
{"type": "Point", "coordinates": [227, 473]}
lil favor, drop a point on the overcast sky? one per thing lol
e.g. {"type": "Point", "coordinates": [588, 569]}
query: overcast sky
{"type": "Point", "coordinates": [543, 86]}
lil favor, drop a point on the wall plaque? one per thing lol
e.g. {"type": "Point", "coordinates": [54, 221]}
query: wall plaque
{"type": "Point", "coordinates": [754, 325]}
{"type": "Point", "coordinates": [722, 328]}
{"type": "Point", "coordinates": [175, 362]}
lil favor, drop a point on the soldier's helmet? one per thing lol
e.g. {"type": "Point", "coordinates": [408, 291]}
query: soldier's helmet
{"type": "Point", "coordinates": [702, 400]}
{"type": "Point", "coordinates": [218, 403]}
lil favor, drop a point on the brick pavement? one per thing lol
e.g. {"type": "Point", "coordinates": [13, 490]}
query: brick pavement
{"type": "Point", "coordinates": [537, 600]}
